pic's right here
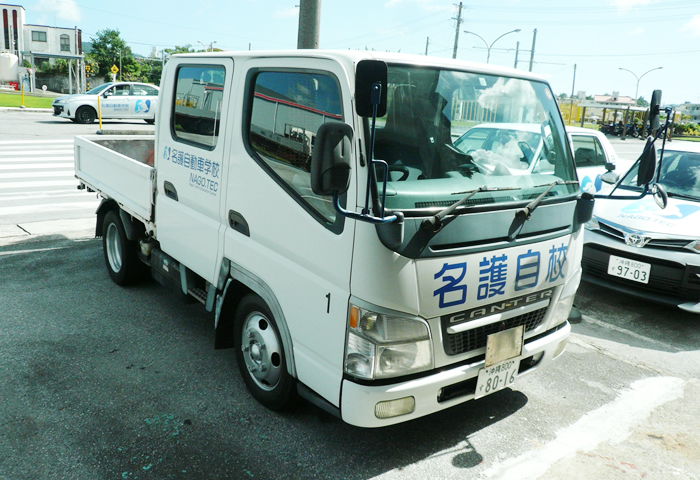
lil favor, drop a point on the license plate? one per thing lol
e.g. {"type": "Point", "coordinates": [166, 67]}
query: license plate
{"type": "Point", "coordinates": [496, 377]}
{"type": "Point", "coordinates": [629, 269]}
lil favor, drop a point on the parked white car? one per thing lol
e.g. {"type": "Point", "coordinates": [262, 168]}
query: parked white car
{"type": "Point", "coordinates": [635, 247]}
{"type": "Point", "coordinates": [120, 100]}
{"type": "Point", "coordinates": [519, 147]}
{"type": "Point", "coordinates": [594, 156]}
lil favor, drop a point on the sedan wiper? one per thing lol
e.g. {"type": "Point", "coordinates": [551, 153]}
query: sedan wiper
{"type": "Point", "coordinates": [682, 195]}
{"type": "Point", "coordinates": [435, 222]}
{"type": "Point", "coordinates": [524, 213]}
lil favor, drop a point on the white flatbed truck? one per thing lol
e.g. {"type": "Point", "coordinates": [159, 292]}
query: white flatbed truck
{"type": "Point", "coordinates": [351, 248]}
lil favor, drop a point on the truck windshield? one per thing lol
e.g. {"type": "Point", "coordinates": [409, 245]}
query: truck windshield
{"type": "Point", "coordinates": [447, 132]}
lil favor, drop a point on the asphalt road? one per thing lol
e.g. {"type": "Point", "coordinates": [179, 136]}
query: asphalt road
{"type": "Point", "coordinates": [104, 382]}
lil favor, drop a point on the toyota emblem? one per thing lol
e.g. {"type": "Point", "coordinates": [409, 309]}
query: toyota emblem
{"type": "Point", "coordinates": [634, 240]}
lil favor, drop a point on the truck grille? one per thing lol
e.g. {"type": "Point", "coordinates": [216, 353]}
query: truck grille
{"type": "Point", "coordinates": [476, 338]}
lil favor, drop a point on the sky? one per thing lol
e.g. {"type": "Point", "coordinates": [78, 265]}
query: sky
{"type": "Point", "coordinates": [595, 38]}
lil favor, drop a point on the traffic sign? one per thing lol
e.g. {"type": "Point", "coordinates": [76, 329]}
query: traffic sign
{"type": "Point", "coordinates": [114, 69]}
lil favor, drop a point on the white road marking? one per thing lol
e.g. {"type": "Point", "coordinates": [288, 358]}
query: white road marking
{"type": "Point", "coordinates": [610, 423]}
{"type": "Point", "coordinates": [32, 142]}
{"type": "Point", "coordinates": [55, 183]}
{"type": "Point", "coordinates": [66, 173]}
{"type": "Point", "coordinates": [37, 159]}
{"type": "Point", "coordinates": [36, 166]}
{"type": "Point", "coordinates": [49, 207]}
{"type": "Point", "coordinates": [628, 332]}
{"type": "Point", "coordinates": [26, 153]}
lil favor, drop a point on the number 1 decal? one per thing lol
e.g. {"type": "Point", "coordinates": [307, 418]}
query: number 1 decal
{"type": "Point", "coordinates": [328, 308]}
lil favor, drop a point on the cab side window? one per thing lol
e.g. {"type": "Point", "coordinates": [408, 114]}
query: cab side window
{"type": "Point", "coordinates": [197, 111]}
{"type": "Point", "coordinates": [288, 107]}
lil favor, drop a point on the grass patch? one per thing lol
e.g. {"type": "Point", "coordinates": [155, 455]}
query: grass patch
{"type": "Point", "coordinates": [30, 101]}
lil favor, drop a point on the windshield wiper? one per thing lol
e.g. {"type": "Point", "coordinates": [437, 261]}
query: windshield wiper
{"type": "Point", "coordinates": [435, 222]}
{"type": "Point", "coordinates": [524, 213]}
{"type": "Point", "coordinates": [682, 195]}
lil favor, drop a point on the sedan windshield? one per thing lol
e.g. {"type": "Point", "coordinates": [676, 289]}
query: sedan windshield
{"type": "Point", "coordinates": [680, 174]}
{"type": "Point", "coordinates": [447, 132]}
{"type": "Point", "coordinates": [100, 89]}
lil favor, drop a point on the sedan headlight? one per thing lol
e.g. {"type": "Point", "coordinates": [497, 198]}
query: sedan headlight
{"type": "Point", "coordinates": [59, 102]}
{"type": "Point", "coordinates": [694, 246]}
{"type": "Point", "coordinates": [384, 346]}
{"type": "Point", "coordinates": [592, 224]}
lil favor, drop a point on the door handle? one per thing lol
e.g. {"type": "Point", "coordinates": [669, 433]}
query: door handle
{"type": "Point", "coordinates": [170, 190]}
{"type": "Point", "coordinates": [238, 223]}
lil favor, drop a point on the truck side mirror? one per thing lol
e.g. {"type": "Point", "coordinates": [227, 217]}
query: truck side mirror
{"type": "Point", "coordinates": [331, 159]}
{"type": "Point", "coordinates": [647, 163]}
{"type": "Point", "coordinates": [368, 73]}
{"type": "Point", "coordinates": [610, 177]}
{"type": "Point", "coordinates": [654, 109]}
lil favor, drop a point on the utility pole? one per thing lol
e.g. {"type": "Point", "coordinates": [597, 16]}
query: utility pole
{"type": "Point", "coordinates": [309, 24]}
{"type": "Point", "coordinates": [573, 85]}
{"type": "Point", "coordinates": [517, 49]}
{"type": "Point", "coordinates": [459, 22]}
{"type": "Point", "coordinates": [427, 42]}
{"type": "Point", "coordinates": [532, 52]}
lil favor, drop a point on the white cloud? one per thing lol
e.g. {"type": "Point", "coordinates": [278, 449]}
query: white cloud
{"type": "Point", "coordinates": [60, 9]}
{"type": "Point", "coordinates": [625, 5]}
{"type": "Point", "coordinates": [693, 26]}
{"type": "Point", "coordinates": [430, 5]}
{"type": "Point", "coordinates": [638, 31]}
{"type": "Point", "coordinates": [287, 13]}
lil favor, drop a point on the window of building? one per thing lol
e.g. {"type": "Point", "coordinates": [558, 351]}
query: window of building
{"type": "Point", "coordinates": [287, 110]}
{"type": "Point", "coordinates": [65, 43]}
{"type": "Point", "coordinates": [38, 36]}
{"type": "Point", "coordinates": [197, 110]}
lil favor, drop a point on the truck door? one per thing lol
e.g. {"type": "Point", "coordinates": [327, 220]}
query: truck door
{"type": "Point", "coordinates": [191, 163]}
{"type": "Point", "coordinates": [283, 233]}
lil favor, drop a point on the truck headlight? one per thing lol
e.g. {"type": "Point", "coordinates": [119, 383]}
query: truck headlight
{"type": "Point", "coordinates": [383, 346]}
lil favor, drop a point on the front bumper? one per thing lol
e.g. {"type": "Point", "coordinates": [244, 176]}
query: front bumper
{"type": "Point", "coordinates": [673, 279]}
{"type": "Point", "coordinates": [61, 111]}
{"type": "Point", "coordinates": [440, 390]}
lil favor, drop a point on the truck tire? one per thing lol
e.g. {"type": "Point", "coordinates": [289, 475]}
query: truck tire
{"type": "Point", "coordinates": [120, 254]}
{"type": "Point", "coordinates": [85, 114]}
{"type": "Point", "coordinates": [260, 354]}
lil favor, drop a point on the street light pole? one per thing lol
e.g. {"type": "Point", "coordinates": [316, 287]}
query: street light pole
{"type": "Point", "coordinates": [636, 91]}
{"type": "Point", "coordinates": [488, 47]}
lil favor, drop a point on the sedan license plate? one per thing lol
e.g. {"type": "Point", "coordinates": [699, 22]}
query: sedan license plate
{"type": "Point", "coordinates": [496, 377]}
{"type": "Point", "coordinates": [629, 269]}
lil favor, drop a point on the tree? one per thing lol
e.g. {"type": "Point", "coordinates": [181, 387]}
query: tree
{"type": "Point", "coordinates": [184, 49]}
{"type": "Point", "coordinates": [106, 50]}
{"type": "Point", "coordinates": [641, 102]}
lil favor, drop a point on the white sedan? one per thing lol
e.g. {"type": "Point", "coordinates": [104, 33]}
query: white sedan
{"type": "Point", "coordinates": [638, 248]}
{"type": "Point", "coordinates": [123, 100]}
{"type": "Point", "coordinates": [594, 156]}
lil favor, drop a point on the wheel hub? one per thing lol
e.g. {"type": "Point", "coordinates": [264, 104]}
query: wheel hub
{"type": "Point", "coordinates": [262, 351]}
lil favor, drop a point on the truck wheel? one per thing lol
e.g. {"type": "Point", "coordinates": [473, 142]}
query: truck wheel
{"type": "Point", "coordinates": [260, 354]}
{"type": "Point", "coordinates": [85, 115]}
{"type": "Point", "coordinates": [121, 256]}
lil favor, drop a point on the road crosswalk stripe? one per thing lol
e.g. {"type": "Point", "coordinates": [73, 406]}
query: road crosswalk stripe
{"type": "Point", "coordinates": [49, 207]}
{"type": "Point", "coordinates": [27, 153]}
{"type": "Point", "coordinates": [38, 166]}
{"type": "Point", "coordinates": [38, 159]}
{"type": "Point", "coordinates": [39, 184]}
{"type": "Point", "coordinates": [54, 174]}
{"type": "Point", "coordinates": [33, 142]}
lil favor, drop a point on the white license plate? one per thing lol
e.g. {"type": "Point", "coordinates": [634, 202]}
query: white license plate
{"type": "Point", "coordinates": [629, 269]}
{"type": "Point", "coordinates": [496, 377]}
